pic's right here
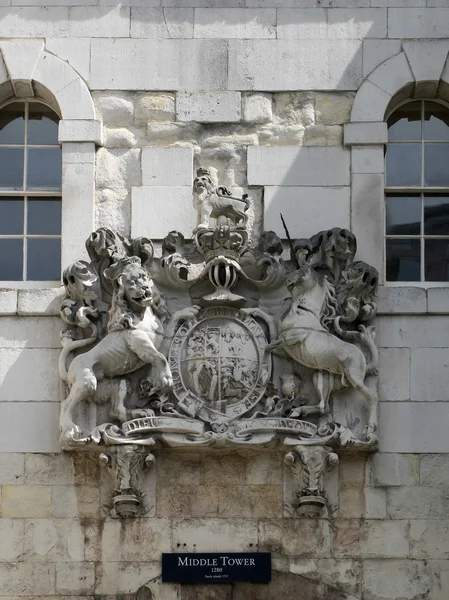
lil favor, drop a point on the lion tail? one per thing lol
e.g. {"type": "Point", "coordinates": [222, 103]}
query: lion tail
{"type": "Point", "coordinates": [69, 346]}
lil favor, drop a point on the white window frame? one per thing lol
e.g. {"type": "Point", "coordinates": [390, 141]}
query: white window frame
{"type": "Point", "coordinates": [30, 72]}
{"type": "Point", "coordinates": [418, 72]}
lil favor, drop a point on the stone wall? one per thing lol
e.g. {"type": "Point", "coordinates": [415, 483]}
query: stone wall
{"type": "Point", "coordinates": [261, 90]}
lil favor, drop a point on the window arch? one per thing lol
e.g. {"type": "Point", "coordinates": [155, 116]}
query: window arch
{"type": "Point", "coordinates": [417, 193]}
{"type": "Point", "coordinates": [30, 193]}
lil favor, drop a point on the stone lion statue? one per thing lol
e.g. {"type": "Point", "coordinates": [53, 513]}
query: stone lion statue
{"type": "Point", "coordinates": [133, 339]}
{"type": "Point", "coordinates": [215, 202]}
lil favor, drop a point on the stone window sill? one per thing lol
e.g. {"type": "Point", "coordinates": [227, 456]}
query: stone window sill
{"type": "Point", "coordinates": [31, 301]}
{"type": "Point", "coordinates": [406, 299]}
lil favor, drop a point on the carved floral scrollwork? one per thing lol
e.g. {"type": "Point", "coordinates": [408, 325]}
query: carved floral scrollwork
{"type": "Point", "coordinates": [221, 341]}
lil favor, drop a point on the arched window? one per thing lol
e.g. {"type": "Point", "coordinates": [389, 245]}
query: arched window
{"type": "Point", "coordinates": [30, 193]}
{"type": "Point", "coordinates": [417, 193]}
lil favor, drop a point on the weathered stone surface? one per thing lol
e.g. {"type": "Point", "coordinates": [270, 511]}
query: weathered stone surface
{"type": "Point", "coordinates": [173, 205]}
{"type": "Point", "coordinates": [412, 332]}
{"type": "Point", "coordinates": [122, 137]}
{"type": "Point", "coordinates": [429, 539]}
{"type": "Point", "coordinates": [160, 23]}
{"type": "Point", "coordinates": [438, 300]}
{"type": "Point", "coordinates": [30, 332]}
{"type": "Point", "coordinates": [23, 578]}
{"type": "Point", "coordinates": [305, 209]}
{"type": "Point", "coordinates": [113, 209]}
{"type": "Point", "coordinates": [38, 302]}
{"type": "Point", "coordinates": [265, 468]}
{"type": "Point", "coordinates": [434, 470]}
{"type": "Point", "coordinates": [54, 540]}
{"type": "Point", "coordinates": [188, 500]}
{"type": "Point", "coordinates": [40, 365]}
{"type": "Point", "coordinates": [371, 538]}
{"type": "Point", "coordinates": [430, 374]}
{"type": "Point", "coordinates": [402, 300]}
{"type": "Point", "coordinates": [367, 160]}
{"type": "Point", "coordinates": [53, 469]}
{"type": "Point", "coordinates": [333, 109]}
{"type": "Point", "coordinates": [208, 107]}
{"type": "Point", "coordinates": [376, 52]}
{"type": "Point", "coordinates": [404, 427]}
{"type": "Point", "coordinates": [298, 166]}
{"type": "Point", "coordinates": [8, 302]}
{"type": "Point", "coordinates": [265, 501]}
{"type": "Point", "coordinates": [11, 539]}
{"type": "Point", "coordinates": [393, 579]}
{"type": "Point", "coordinates": [301, 24]}
{"type": "Point", "coordinates": [394, 470]}
{"type": "Point", "coordinates": [115, 108]}
{"type": "Point", "coordinates": [367, 503]}
{"type": "Point", "coordinates": [394, 374]}
{"type": "Point", "coordinates": [295, 537]}
{"type": "Point", "coordinates": [346, 575]}
{"type": "Point", "coordinates": [215, 535]}
{"type": "Point", "coordinates": [245, 23]}
{"type": "Point", "coordinates": [439, 573]}
{"type": "Point", "coordinates": [419, 502]}
{"type": "Point", "coordinates": [75, 578]}
{"type": "Point", "coordinates": [12, 468]}
{"type": "Point", "coordinates": [118, 169]}
{"type": "Point", "coordinates": [135, 539]}
{"type": "Point", "coordinates": [323, 135]}
{"type": "Point", "coordinates": [257, 108]}
{"type": "Point", "coordinates": [230, 469]}
{"type": "Point", "coordinates": [20, 501]}
{"type": "Point", "coordinates": [167, 166]}
{"type": "Point", "coordinates": [124, 578]}
{"type": "Point", "coordinates": [154, 107]}
{"type": "Point", "coordinates": [75, 502]}
{"type": "Point", "coordinates": [21, 424]}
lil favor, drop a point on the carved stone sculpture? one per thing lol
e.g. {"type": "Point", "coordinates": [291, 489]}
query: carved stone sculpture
{"type": "Point", "coordinates": [220, 342]}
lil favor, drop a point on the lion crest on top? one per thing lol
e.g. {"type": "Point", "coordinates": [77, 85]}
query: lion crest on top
{"type": "Point", "coordinates": [223, 340]}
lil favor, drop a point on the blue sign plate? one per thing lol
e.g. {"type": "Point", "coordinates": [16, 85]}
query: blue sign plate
{"type": "Point", "coordinates": [220, 567]}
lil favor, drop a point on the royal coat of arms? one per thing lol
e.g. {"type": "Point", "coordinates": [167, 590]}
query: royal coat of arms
{"type": "Point", "coordinates": [221, 340]}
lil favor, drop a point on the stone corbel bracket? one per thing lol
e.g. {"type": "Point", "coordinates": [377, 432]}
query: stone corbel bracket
{"type": "Point", "coordinates": [309, 465]}
{"type": "Point", "coordinates": [126, 465]}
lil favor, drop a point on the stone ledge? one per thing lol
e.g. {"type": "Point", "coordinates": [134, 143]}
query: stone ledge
{"type": "Point", "coordinates": [80, 130]}
{"type": "Point", "coordinates": [40, 302]}
{"type": "Point", "coordinates": [365, 134]}
{"type": "Point", "coordinates": [8, 302]}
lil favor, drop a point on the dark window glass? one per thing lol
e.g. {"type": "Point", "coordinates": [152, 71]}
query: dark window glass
{"type": "Point", "coordinates": [436, 260]}
{"type": "Point", "coordinates": [403, 164]}
{"type": "Point", "coordinates": [403, 215]}
{"type": "Point", "coordinates": [436, 215]}
{"type": "Point", "coordinates": [42, 125]}
{"type": "Point", "coordinates": [11, 216]}
{"type": "Point", "coordinates": [405, 123]}
{"type": "Point", "coordinates": [12, 124]}
{"type": "Point", "coordinates": [44, 216]}
{"type": "Point", "coordinates": [436, 165]}
{"type": "Point", "coordinates": [11, 168]}
{"type": "Point", "coordinates": [436, 121]}
{"type": "Point", "coordinates": [11, 260]}
{"type": "Point", "coordinates": [403, 260]}
{"type": "Point", "coordinates": [44, 259]}
{"type": "Point", "coordinates": [44, 169]}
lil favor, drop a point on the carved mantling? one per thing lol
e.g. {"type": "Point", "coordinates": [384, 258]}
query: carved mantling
{"type": "Point", "coordinates": [222, 341]}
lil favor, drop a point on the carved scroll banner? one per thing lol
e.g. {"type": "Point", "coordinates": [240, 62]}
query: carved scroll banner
{"type": "Point", "coordinates": [225, 340]}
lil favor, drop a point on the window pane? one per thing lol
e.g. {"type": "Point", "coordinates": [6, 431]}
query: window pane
{"type": "Point", "coordinates": [42, 125]}
{"type": "Point", "coordinates": [44, 259]}
{"type": "Point", "coordinates": [11, 260]}
{"type": "Point", "coordinates": [44, 169]}
{"type": "Point", "coordinates": [403, 215]}
{"type": "Point", "coordinates": [44, 216]}
{"type": "Point", "coordinates": [403, 260]}
{"type": "Point", "coordinates": [403, 164]}
{"type": "Point", "coordinates": [11, 216]}
{"type": "Point", "coordinates": [12, 124]}
{"type": "Point", "coordinates": [436, 121]}
{"type": "Point", "coordinates": [436, 257]}
{"type": "Point", "coordinates": [11, 168]}
{"type": "Point", "coordinates": [405, 123]}
{"type": "Point", "coordinates": [436, 164]}
{"type": "Point", "coordinates": [436, 215]}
